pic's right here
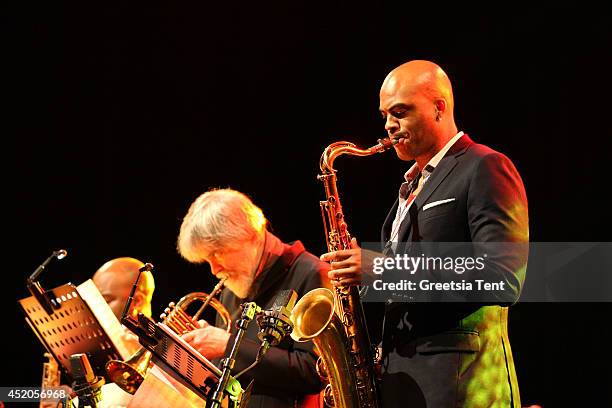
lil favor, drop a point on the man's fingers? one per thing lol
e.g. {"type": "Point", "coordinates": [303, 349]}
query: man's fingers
{"type": "Point", "coordinates": [336, 265]}
{"type": "Point", "coordinates": [337, 255]}
{"type": "Point", "coordinates": [341, 273]}
{"type": "Point", "coordinates": [347, 282]}
{"type": "Point", "coordinates": [328, 256]}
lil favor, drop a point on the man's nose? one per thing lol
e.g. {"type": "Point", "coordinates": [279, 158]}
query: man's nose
{"type": "Point", "coordinates": [215, 268]}
{"type": "Point", "coordinates": [391, 124]}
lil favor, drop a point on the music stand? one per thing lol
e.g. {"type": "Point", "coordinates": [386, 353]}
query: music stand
{"type": "Point", "coordinates": [80, 323]}
{"type": "Point", "coordinates": [181, 361]}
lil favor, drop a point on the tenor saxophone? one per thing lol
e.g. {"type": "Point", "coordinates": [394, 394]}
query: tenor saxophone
{"type": "Point", "coordinates": [335, 321]}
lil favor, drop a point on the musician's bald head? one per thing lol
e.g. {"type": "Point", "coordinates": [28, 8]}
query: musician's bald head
{"type": "Point", "coordinates": [421, 76]}
{"type": "Point", "coordinates": [416, 100]}
{"type": "Point", "coordinates": [115, 279]}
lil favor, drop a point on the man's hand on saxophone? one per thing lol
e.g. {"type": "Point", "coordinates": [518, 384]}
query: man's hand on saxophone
{"type": "Point", "coordinates": [350, 266]}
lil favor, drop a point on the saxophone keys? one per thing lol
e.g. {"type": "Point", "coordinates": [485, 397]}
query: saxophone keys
{"type": "Point", "coordinates": [328, 396]}
{"type": "Point", "coordinates": [321, 369]}
{"type": "Point", "coordinates": [347, 319]}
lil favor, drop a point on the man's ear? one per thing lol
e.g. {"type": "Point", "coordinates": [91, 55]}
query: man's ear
{"type": "Point", "coordinates": [440, 105]}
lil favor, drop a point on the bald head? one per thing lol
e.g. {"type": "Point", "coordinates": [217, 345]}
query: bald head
{"type": "Point", "coordinates": [115, 279]}
{"type": "Point", "coordinates": [423, 77]}
{"type": "Point", "coordinates": [416, 100]}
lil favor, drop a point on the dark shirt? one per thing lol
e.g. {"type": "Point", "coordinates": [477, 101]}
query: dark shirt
{"type": "Point", "coordinates": [287, 372]}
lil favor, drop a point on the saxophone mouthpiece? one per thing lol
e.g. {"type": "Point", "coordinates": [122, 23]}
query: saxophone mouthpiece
{"type": "Point", "coordinates": [387, 142]}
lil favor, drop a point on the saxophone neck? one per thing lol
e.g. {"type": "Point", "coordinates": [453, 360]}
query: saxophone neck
{"type": "Point", "coordinates": [326, 164]}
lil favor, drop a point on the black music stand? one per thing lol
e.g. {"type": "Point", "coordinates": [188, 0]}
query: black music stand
{"type": "Point", "coordinates": [73, 327]}
{"type": "Point", "coordinates": [181, 361]}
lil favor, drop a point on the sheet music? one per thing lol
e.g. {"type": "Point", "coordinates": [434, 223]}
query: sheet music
{"type": "Point", "coordinates": [105, 316]}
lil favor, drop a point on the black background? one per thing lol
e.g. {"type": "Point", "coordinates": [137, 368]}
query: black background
{"type": "Point", "coordinates": [118, 117]}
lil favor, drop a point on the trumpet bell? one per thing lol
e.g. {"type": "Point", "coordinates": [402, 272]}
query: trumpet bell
{"type": "Point", "coordinates": [129, 374]}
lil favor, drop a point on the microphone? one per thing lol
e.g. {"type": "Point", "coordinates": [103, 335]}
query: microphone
{"type": "Point", "coordinates": [87, 386]}
{"type": "Point", "coordinates": [35, 287]}
{"type": "Point", "coordinates": [59, 254]}
{"type": "Point", "coordinates": [275, 323]}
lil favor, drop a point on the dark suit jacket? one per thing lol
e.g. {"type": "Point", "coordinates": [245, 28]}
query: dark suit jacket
{"type": "Point", "coordinates": [287, 372]}
{"type": "Point", "coordinates": [458, 354]}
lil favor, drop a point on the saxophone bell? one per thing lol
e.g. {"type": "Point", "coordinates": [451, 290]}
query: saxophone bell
{"type": "Point", "coordinates": [314, 318]}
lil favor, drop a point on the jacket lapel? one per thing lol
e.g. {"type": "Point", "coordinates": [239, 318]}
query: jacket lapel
{"type": "Point", "coordinates": [446, 165]}
{"type": "Point", "coordinates": [442, 170]}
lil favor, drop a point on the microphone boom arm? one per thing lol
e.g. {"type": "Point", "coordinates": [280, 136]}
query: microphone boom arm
{"type": "Point", "coordinates": [36, 288]}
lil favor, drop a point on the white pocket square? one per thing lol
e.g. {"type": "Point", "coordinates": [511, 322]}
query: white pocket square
{"type": "Point", "coordinates": [435, 203]}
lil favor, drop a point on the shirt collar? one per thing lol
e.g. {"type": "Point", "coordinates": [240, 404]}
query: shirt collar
{"type": "Point", "coordinates": [431, 165]}
{"type": "Point", "coordinates": [278, 256]}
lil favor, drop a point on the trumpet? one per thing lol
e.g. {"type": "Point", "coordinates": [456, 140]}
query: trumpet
{"type": "Point", "coordinates": [129, 374]}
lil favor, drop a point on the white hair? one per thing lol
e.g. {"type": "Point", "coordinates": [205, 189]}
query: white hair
{"type": "Point", "coordinates": [216, 219]}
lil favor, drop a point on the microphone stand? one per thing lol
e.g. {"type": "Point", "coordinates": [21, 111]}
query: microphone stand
{"type": "Point", "coordinates": [249, 310]}
{"type": "Point", "coordinates": [128, 321]}
{"type": "Point", "coordinates": [145, 268]}
{"type": "Point", "coordinates": [36, 288]}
